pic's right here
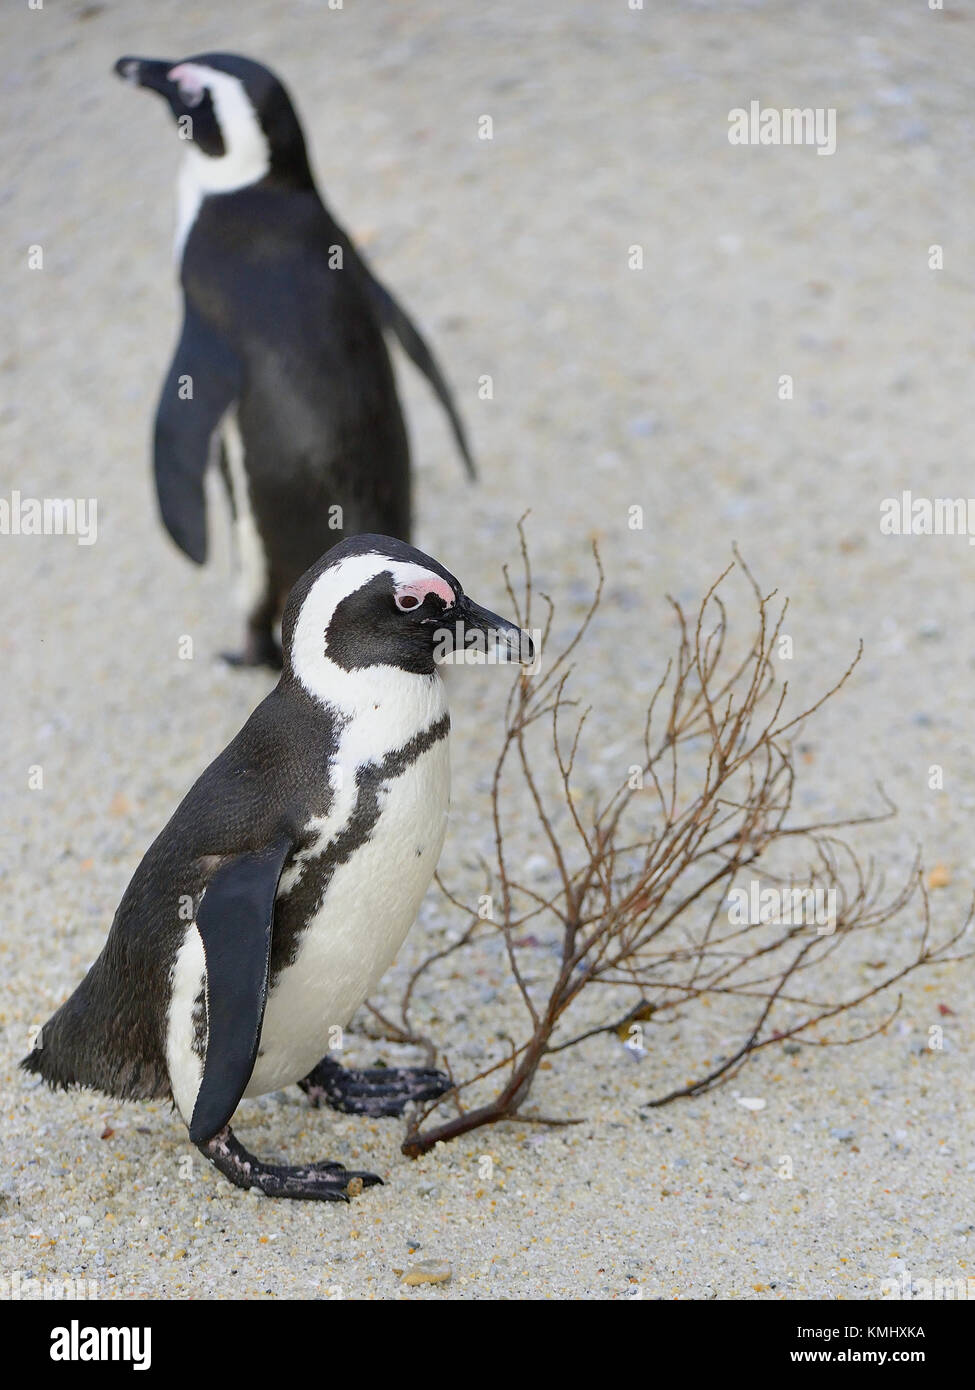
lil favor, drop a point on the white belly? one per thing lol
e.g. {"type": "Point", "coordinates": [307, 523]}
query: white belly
{"type": "Point", "coordinates": [252, 575]}
{"type": "Point", "coordinates": [371, 903]}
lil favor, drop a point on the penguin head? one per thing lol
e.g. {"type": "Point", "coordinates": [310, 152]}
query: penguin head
{"type": "Point", "coordinates": [235, 116]}
{"type": "Point", "coordinates": [374, 607]}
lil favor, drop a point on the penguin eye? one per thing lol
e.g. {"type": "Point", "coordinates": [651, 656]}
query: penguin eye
{"type": "Point", "coordinates": [404, 602]}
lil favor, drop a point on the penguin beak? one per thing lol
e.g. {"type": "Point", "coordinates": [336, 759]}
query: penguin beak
{"type": "Point", "coordinates": [147, 72]}
{"type": "Point", "coordinates": [477, 635]}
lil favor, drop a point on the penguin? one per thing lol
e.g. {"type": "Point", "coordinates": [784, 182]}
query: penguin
{"type": "Point", "coordinates": [281, 372]}
{"type": "Point", "coordinates": [288, 877]}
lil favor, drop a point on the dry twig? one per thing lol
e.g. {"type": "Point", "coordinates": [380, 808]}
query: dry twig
{"type": "Point", "coordinates": [642, 881]}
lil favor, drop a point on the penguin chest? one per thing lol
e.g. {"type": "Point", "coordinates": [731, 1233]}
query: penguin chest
{"type": "Point", "coordinates": [347, 903]}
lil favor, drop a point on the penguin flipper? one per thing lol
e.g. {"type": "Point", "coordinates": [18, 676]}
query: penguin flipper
{"type": "Point", "coordinates": [394, 317]}
{"type": "Point", "coordinates": [204, 379]}
{"type": "Point", "coordinates": [234, 922]}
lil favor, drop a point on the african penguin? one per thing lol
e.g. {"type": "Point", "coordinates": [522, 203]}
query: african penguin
{"type": "Point", "coordinates": [288, 877]}
{"type": "Point", "coordinates": [281, 371]}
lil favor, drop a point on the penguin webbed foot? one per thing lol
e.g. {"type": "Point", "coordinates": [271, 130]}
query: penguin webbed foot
{"type": "Point", "coordinates": [260, 648]}
{"type": "Point", "coordinates": [315, 1182]}
{"type": "Point", "coordinates": [256, 653]}
{"type": "Point", "coordinates": [375, 1092]}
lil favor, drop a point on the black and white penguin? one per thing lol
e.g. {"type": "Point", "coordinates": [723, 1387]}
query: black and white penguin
{"type": "Point", "coordinates": [288, 877]}
{"type": "Point", "coordinates": [281, 369]}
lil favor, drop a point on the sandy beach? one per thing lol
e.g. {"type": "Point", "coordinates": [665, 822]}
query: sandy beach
{"type": "Point", "coordinates": [614, 386]}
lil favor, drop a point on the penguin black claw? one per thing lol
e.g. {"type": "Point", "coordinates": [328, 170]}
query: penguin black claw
{"type": "Point", "coordinates": [376, 1092]}
{"type": "Point", "coordinates": [312, 1182]}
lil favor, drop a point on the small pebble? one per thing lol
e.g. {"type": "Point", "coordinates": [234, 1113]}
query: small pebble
{"type": "Point", "coordinates": [939, 877]}
{"type": "Point", "coordinates": [427, 1272]}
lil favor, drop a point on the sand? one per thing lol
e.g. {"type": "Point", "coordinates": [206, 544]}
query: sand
{"type": "Point", "coordinates": [612, 388]}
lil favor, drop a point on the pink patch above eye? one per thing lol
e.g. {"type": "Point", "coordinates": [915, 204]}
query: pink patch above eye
{"type": "Point", "coordinates": [414, 595]}
{"type": "Point", "coordinates": [190, 83]}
